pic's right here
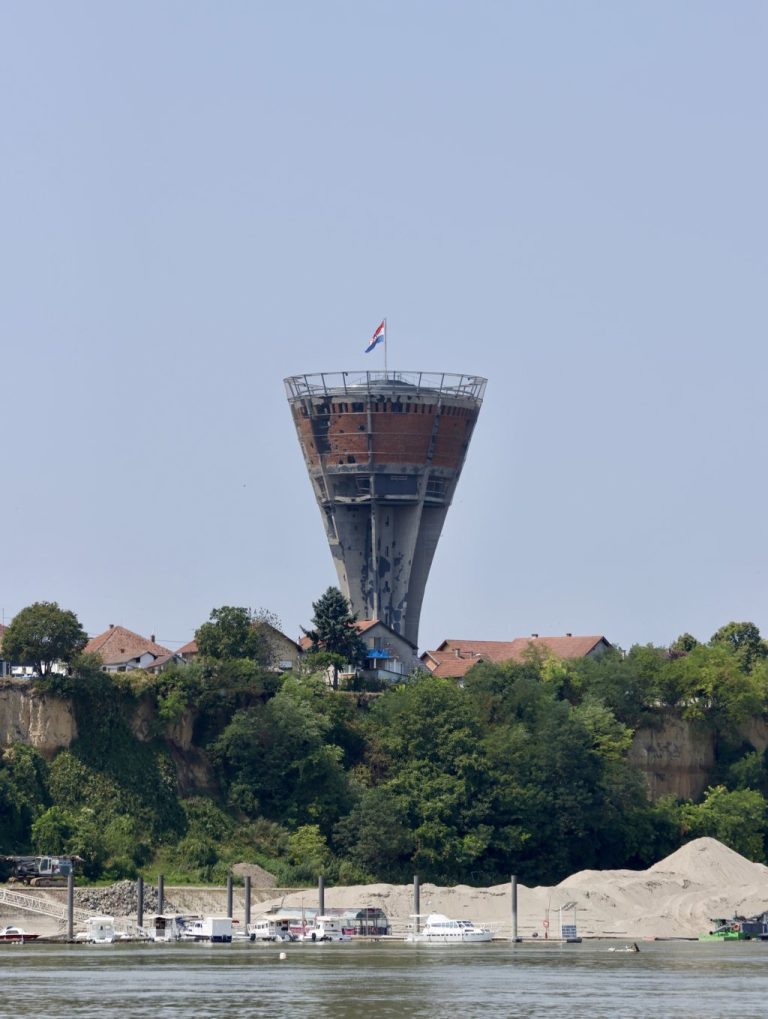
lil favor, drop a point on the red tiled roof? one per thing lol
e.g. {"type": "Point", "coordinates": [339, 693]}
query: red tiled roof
{"type": "Point", "coordinates": [448, 666]}
{"type": "Point", "coordinates": [117, 642]}
{"type": "Point", "coordinates": [362, 626]}
{"type": "Point", "coordinates": [454, 657]}
{"type": "Point", "coordinates": [190, 648]}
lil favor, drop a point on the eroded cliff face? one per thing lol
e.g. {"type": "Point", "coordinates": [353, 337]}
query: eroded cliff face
{"type": "Point", "coordinates": [676, 758]}
{"type": "Point", "coordinates": [194, 775]}
{"type": "Point", "coordinates": [46, 723]}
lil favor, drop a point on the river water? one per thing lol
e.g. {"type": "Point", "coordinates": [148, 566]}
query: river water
{"type": "Point", "coordinates": [666, 980]}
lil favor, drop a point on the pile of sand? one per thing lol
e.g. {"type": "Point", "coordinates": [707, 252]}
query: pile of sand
{"type": "Point", "coordinates": [677, 897]}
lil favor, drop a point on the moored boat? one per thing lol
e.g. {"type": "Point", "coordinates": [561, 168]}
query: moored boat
{"type": "Point", "coordinates": [213, 929]}
{"type": "Point", "coordinates": [99, 930]}
{"type": "Point", "coordinates": [739, 928]}
{"type": "Point", "coordinates": [276, 928]}
{"type": "Point", "coordinates": [325, 928]}
{"type": "Point", "coordinates": [438, 929]}
{"type": "Point", "coordinates": [169, 926]}
{"type": "Point", "coordinates": [16, 934]}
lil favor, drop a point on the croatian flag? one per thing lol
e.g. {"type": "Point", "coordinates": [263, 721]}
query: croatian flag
{"type": "Point", "coordinates": [378, 337]}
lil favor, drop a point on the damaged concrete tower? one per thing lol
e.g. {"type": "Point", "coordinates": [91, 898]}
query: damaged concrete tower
{"type": "Point", "coordinates": [384, 451]}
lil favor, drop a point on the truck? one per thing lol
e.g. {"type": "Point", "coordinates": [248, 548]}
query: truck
{"type": "Point", "coordinates": [41, 871]}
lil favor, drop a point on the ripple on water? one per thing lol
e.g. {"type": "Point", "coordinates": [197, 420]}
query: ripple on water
{"type": "Point", "coordinates": [669, 980]}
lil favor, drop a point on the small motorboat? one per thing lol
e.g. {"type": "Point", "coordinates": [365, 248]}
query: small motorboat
{"type": "Point", "coordinates": [16, 934]}
{"type": "Point", "coordinates": [626, 948]}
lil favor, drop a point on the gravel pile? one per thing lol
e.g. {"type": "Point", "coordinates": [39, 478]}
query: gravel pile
{"type": "Point", "coordinates": [120, 899]}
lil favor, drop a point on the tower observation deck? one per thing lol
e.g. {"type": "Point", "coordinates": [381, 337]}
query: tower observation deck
{"type": "Point", "coordinates": [384, 452]}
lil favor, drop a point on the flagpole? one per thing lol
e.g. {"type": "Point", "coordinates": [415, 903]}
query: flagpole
{"type": "Point", "coordinates": [385, 347]}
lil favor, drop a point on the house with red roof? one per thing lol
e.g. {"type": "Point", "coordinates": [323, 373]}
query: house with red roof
{"type": "Point", "coordinates": [122, 650]}
{"type": "Point", "coordinates": [453, 658]}
{"type": "Point", "coordinates": [389, 655]}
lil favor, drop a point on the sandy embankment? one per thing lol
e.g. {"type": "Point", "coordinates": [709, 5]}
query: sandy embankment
{"type": "Point", "coordinates": [676, 897]}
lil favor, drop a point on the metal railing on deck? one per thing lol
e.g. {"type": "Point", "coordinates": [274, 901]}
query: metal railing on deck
{"type": "Point", "coordinates": [413, 383]}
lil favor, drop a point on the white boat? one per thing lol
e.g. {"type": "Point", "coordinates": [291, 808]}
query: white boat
{"type": "Point", "coordinates": [99, 930]}
{"type": "Point", "coordinates": [438, 929]}
{"type": "Point", "coordinates": [168, 926]}
{"type": "Point", "coordinates": [16, 934]}
{"type": "Point", "coordinates": [275, 928]}
{"type": "Point", "coordinates": [325, 928]}
{"type": "Point", "coordinates": [213, 929]}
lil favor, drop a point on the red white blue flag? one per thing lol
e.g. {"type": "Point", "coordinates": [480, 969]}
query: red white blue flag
{"type": "Point", "coordinates": [378, 337]}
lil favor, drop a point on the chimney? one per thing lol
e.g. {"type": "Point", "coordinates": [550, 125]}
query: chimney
{"type": "Point", "coordinates": [534, 634]}
{"type": "Point", "coordinates": [569, 634]}
{"type": "Point", "coordinates": [152, 637]}
{"type": "Point", "coordinates": [111, 626]}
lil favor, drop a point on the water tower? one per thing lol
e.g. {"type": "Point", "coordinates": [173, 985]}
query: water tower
{"type": "Point", "coordinates": [384, 451]}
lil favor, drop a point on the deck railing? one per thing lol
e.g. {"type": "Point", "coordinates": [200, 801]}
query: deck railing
{"type": "Point", "coordinates": [402, 383]}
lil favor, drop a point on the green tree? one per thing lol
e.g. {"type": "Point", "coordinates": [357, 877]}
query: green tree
{"type": "Point", "coordinates": [377, 836]}
{"type": "Point", "coordinates": [308, 852]}
{"type": "Point", "coordinates": [234, 632]}
{"type": "Point", "coordinates": [736, 818]}
{"type": "Point", "coordinates": [683, 645]}
{"type": "Point", "coordinates": [744, 640]}
{"type": "Point", "coordinates": [278, 761]}
{"type": "Point", "coordinates": [23, 794]}
{"type": "Point", "coordinates": [334, 629]}
{"type": "Point", "coordinates": [52, 831]}
{"type": "Point", "coordinates": [43, 634]}
{"type": "Point", "coordinates": [715, 687]}
{"type": "Point", "coordinates": [748, 772]}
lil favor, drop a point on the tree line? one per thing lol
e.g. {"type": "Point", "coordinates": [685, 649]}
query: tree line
{"type": "Point", "coordinates": [522, 769]}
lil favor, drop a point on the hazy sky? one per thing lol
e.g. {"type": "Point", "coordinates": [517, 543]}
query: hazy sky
{"type": "Point", "coordinates": [199, 199]}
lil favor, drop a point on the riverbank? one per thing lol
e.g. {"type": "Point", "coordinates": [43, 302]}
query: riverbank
{"type": "Point", "coordinates": [675, 898]}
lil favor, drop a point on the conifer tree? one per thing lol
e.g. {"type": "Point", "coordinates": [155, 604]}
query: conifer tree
{"type": "Point", "coordinates": [334, 629]}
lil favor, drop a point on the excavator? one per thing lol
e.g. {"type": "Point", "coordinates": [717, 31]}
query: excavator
{"type": "Point", "coordinates": [40, 871]}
